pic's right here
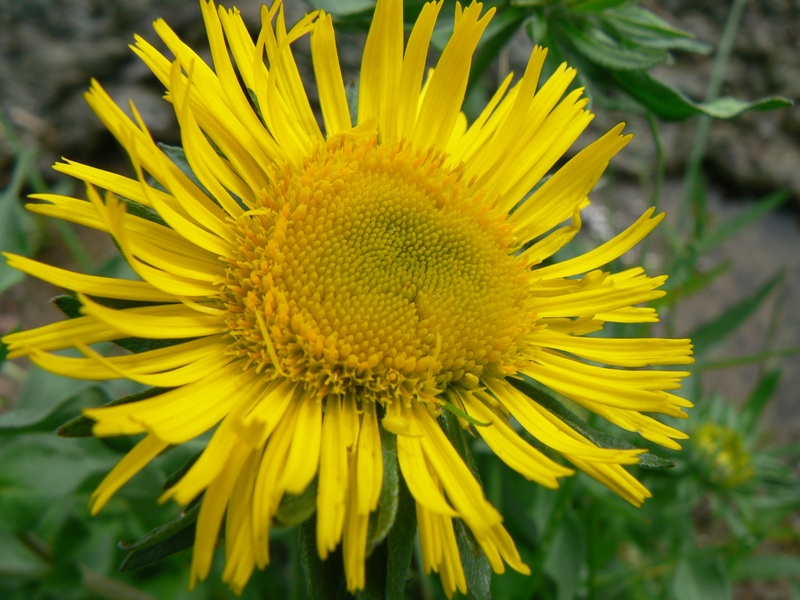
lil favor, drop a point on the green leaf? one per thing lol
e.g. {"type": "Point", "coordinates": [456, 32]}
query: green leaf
{"type": "Point", "coordinates": [766, 566]}
{"type": "Point", "coordinates": [81, 426]}
{"type": "Point", "coordinates": [294, 510]}
{"type": "Point", "coordinates": [608, 52]}
{"type": "Point", "coordinates": [477, 570]}
{"type": "Point", "coordinates": [177, 155]}
{"type": "Point", "coordinates": [712, 332]}
{"type": "Point", "coordinates": [731, 227]}
{"type": "Point", "coordinates": [646, 28]}
{"type": "Point", "coordinates": [324, 578]}
{"type": "Point", "coordinates": [163, 541]}
{"type": "Point", "coordinates": [700, 576]}
{"type": "Point", "coordinates": [143, 212]}
{"type": "Point", "coordinates": [42, 394]}
{"type": "Point", "coordinates": [16, 225]}
{"type": "Point", "coordinates": [672, 105]}
{"type": "Point", "coordinates": [400, 544]}
{"type": "Point", "coordinates": [382, 521]}
{"type": "Point", "coordinates": [38, 469]}
{"type": "Point", "coordinates": [758, 400]}
{"type": "Point", "coordinates": [591, 6]}
{"type": "Point", "coordinates": [604, 440]}
{"type": "Point", "coordinates": [342, 8]}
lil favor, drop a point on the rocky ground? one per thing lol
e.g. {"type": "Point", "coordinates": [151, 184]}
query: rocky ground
{"type": "Point", "coordinates": [49, 50]}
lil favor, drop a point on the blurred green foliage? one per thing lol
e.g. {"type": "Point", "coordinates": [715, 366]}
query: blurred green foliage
{"type": "Point", "coordinates": [721, 509]}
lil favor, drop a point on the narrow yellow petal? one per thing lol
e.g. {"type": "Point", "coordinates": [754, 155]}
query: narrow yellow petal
{"type": "Point", "coordinates": [214, 504]}
{"type": "Point", "coordinates": [413, 70]}
{"type": "Point", "coordinates": [239, 551]}
{"type": "Point", "coordinates": [332, 98]}
{"type": "Point", "coordinates": [605, 253]}
{"type": "Point", "coordinates": [155, 322]}
{"type": "Point", "coordinates": [92, 285]}
{"type": "Point", "coordinates": [380, 67]}
{"type": "Point", "coordinates": [448, 84]}
{"type": "Point", "coordinates": [511, 448]}
{"type": "Point", "coordinates": [133, 462]}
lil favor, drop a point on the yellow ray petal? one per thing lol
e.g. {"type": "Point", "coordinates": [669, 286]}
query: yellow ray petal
{"type": "Point", "coordinates": [445, 94]}
{"type": "Point", "coordinates": [92, 285]}
{"type": "Point", "coordinates": [155, 322]}
{"type": "Point", "coordinates": [511, 448]}
{"type": "Point", "coordinates": [332, 98]}
{"type": "Point", "coordinates": [133, 462]}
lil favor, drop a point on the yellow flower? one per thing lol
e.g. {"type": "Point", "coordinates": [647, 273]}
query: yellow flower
{"type": "Point", "coordinates": [327, 283]}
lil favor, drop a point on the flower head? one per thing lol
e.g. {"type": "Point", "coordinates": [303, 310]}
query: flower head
{"type": "Point", "coordinates": [316, 289]}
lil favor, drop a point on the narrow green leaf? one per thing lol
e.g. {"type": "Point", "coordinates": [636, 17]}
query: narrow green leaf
{"type": "Point", "coordinates": [746, 217]}
{"type": "Point", "coordinates": [294, 510]}
{"type": "Point", "coordinates": [342, 8]}
{"type": "Point", "coordinates": [455, 433]}
{"type": "Point", "coordinates": [143, 212]}
{"type": "Point", "coordinates": [672, 105]}
{"type": "Point", "coordinates": [700, 576]}
{"type": "Point", "coordinates": [81, 426]}
{"type": "Point", "coordinates": [382, 521]}
{"type": "Point", "coordinates": [324, 578]}
{"type": "Point", "coordinates": [604, 440]}
{"type": "Point", "coordinates": [749, 359]}
{"type": "Point", "coordinates": [607, 52]}
{"type": "Point", "coordinates": [400, 544]}
{"type": "Point", "coordinates": [163, 541]}
{"type": "Point", "coordinates": [178, 473]}
{"type": "Point", "coordinates": [593, 6]}
{"type": "Point", "coordinates": [177, 155]}
{"type": "Point", "coordinates": [477, 570]}
{"type": "Point", "coordinates": [766, 566]}
{"type": "Point", "coordinates": [645, 27]}
{"type": "Point", "coordinates": [696, 282]}
{"type": "Point", "coordinates": [16, 224]}
{"type": "Point", "coordinates": [759, 398]}
{"type": "Point", "coordinates": [716, 330]}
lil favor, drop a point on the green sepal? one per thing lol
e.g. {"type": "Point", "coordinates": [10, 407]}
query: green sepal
{"type": "Point", "coordinates": [294, 510]}
{"type": "Point", "coordinates": [163, 541]}
{"type": "Point", "coordinates": [71, 307]}
{"type": "Point", "coordinates": [604, 440]}
{"type": "Point", "coordinates": [81, 426]}
{"type": "Point", "coordinates": [383, 519]}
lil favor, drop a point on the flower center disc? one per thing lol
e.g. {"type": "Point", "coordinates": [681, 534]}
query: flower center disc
{"type": "Point", "coordinates": [377, 271]}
